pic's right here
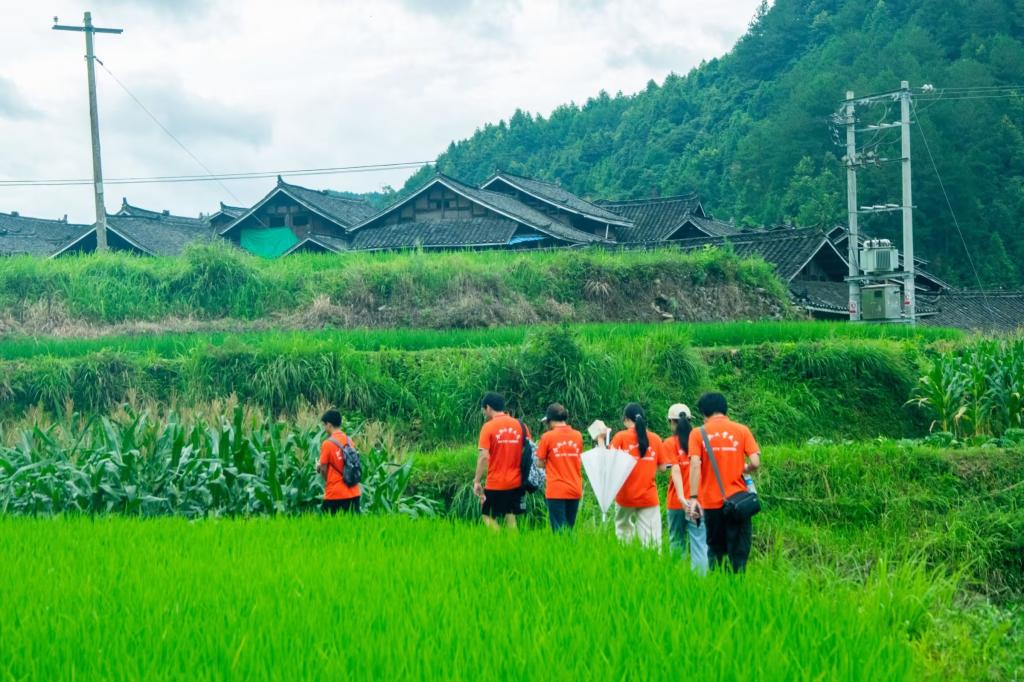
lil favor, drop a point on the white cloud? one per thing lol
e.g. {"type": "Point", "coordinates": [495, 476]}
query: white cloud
{"type": "Point", "coordinates": [262, 85]}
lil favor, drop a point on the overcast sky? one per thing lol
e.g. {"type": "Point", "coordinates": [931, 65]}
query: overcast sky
{"type": "Point", "coordinates": [267, 85]}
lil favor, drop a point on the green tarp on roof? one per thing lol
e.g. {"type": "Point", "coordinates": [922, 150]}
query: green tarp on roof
{"type": "Point", "coordinates": [268, 242]}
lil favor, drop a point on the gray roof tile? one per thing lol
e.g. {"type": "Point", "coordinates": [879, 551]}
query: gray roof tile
{"type": "Point", "coordinates": [558, 197]}
{"type": "Point", "coordinates": [656, 219]}
{"type": "Point", "coordinates": [436, 234]}
{"type": "Point", "coordinates": [21, 235]}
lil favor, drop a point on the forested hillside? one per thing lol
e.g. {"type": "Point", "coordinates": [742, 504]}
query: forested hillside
{"type": "Point", "coordinates": [751, 131]}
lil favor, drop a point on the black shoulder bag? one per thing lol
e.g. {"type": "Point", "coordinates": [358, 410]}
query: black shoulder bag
{"type": "Point", "coordinates": [739, 507]}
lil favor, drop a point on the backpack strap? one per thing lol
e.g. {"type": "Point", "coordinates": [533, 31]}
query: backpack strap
{"type": "Point", "coordinates": [341, 454]}
{"type": "Point", "coordinates": [714, 462]}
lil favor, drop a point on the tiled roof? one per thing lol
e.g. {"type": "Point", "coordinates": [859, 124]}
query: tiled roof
{"type": "Point", "coordinates": [323, 241]}
{"type": "Point", "coordinates": [522, 213]}
{"type": "Point", "coordinates": [655, 219]}
{"type": "Point", "coordinates": [558, 197]}
{"type": "Point", "coordinates": [20, 235]}
{"type": "Point", "coordinates": [988, 311]}
{"type": "Point", "coordinates": [159, 236]}
{"type": "Point", "coordinates": [127, 210]}
{"type": "Point", "coordinates": [343, 210]}
{"type": "Point", "coordinates": [163, 236]}
{"type": "Point", "coordinates": [437, 234]}
{"type": "Point", "coordinates": [715, 228]}
{"type": "Point", "coordinates": [504, 204]}
{"type": "Point", "coordinates": [787, 251]}
{"type": "Point", "coordinates": [230, 211]}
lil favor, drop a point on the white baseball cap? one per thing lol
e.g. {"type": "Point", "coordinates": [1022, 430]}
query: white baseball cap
{"type": "Point", "coordinates": [679, 410]}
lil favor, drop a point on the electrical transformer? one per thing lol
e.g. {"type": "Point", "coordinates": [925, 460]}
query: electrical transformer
{"type": "Point", "coordinates": [881, 302]}
{"type": "Point", "coordinates": [878, 255]}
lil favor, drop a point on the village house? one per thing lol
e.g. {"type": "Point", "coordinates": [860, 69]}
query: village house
{"type": "Point", "coordinates": [292, 219]}
{"type": "Point", "coordinates": [143, 232]}
{"type": "Point", "coordinates": [508, 211]}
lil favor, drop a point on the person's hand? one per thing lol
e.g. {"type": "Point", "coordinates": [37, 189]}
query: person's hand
{"type": "Point", "coordinates": [693, 510]}
{"type": "Point", "coordinates": [478, 490]}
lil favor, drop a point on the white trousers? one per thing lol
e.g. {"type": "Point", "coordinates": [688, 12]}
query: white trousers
{"type": "Point", "coordinates": [639, 522]}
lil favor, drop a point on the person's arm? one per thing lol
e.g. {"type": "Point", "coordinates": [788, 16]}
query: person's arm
{"type": "Point", "coordinates": [482, 460]}
{"type": "Point", "coordinates": [753, 463]}
{"type": "Point", "coordinates": [677, 481]}
{"type": "Point", "coordinates": [753, 452]}
{"type": "Point", "coordinates": [692, 505]}
{"type": "Point", "coordinates": [321, 466]}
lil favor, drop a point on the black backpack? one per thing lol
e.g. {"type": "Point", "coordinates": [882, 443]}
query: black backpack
{"type": "Point", "coordinates": [352, 467]}
{"type": "Point", "coordinates": [532, 476]}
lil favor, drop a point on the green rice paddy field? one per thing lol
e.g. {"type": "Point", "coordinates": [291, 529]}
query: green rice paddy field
{"type": "Point", "coordinates": [391, 598]}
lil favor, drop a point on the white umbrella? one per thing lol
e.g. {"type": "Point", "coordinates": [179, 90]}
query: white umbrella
{"type": "Point", "coordinates": [607, 469]}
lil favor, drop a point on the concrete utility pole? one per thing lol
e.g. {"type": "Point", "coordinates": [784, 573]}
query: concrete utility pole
{"type": "Point", "coordinates": [852, 237]}
{"type": "Point", "coordinates": [97, 168]}
{"type": "Point", "coordinates": [909, 294]}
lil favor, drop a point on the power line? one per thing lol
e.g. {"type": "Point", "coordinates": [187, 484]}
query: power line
{"type": "Point", "coordinates": [248, 175]}
{"type": "Point", "coordinates": [949, 205]}
{"type": "Point", "coordinates": [208, 175]}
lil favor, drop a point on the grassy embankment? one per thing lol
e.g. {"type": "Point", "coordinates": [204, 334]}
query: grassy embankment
{"type": "Point", "coordinates": [216, 287]}
{"type": "Point", "coordinates": [844, 386]}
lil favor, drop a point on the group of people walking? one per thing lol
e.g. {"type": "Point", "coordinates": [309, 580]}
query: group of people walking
{"type": "Point", "coordinates": [700, 483]}
{"type": "Point", "coordinates": [708, 466]}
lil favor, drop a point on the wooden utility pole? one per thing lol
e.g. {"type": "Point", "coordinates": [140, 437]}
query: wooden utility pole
{"type": "Point", "coordinates": [97, 168]}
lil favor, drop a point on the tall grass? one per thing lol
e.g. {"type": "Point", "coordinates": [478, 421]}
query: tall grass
{"type": "Point", "coordinates": [788, 391]}
{"type": "Point", "coordinates": [389, 598]}
{"type": "Point", "coordinates": [442, 290]}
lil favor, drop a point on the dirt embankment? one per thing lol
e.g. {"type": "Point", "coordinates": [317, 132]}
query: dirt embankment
{"type": "Point", "coordinates": [468, 309]}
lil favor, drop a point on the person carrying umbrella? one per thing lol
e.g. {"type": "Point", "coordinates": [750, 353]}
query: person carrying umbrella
{"type": "Point", "coordinates": [639, 514]}
{"type": "Point", "coordinates": [558, 452]}
{"type": "Point", "coordinates": [680, 526]}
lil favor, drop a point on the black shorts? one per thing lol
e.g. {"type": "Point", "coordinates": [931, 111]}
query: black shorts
{"type": "Point", "coordinates": [498, 503]}
{"type": "Point", "coordinates": [332, 507]}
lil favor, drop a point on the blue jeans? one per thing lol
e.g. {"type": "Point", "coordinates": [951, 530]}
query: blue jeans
{"type": "Point", "coordinates": [679, 527]}
{"type": "Point", "coordinates": [562, 513]}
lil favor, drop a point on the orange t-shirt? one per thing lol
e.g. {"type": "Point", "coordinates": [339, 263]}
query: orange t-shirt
{"type": "Point", "coordinates": [732, 443]}
{"type": "Point", "coordinates": [682, 460]}
{"type": "Point", "coordinates": [330, 454]}
{"type": "Point", "coordinates": [640, 490]}
{"type": "Point", "coordinates": [560, 449]}
{"type": "Point", "coordinates": [502, 438]}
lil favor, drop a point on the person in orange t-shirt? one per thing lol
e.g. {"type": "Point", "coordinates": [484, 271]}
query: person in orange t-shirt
{"type": "Point", "coordinates": [736, 453]}
{"type": "Point", "coordinates": [337, 495]}
{"type": "Point", "coordinates": [558, 452]}
{"type": "Point", "coordinates": [680, 526]}
{"type": "Point", "coordinates": [500, 453]}
{"type": "Point", "coordinates": [639, 514]}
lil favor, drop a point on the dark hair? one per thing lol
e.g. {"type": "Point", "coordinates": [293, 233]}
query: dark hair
{"type": "Point", "coordinates": [635, 414]}
{"type": "Point", "coordinates": [683, 428]}
{"type": "Point", "coordinates": [556, 412]}
{"type": "Point", "coordinates": [495, 401]}
{"type": "Point", "coordinates": [332, 417]}
{"type": "Point", "coordinates": [712, 403]}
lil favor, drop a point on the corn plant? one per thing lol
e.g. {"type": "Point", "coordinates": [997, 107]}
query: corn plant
{"type": "Point", "coordinates": [228, 465]}
{"type": "Point", "coordinates": [976, 390]}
